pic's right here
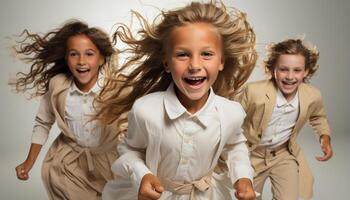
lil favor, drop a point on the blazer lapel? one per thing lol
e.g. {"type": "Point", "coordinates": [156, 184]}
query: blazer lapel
{"type": "Point", "coordinates": [303, 105]}
{"type": "Point", "coordinates": [270, 101]}
{"type": "Point", "coordinates": [58, 99]}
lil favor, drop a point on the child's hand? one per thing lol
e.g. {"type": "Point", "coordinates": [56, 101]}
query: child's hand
{"type": "Point", "coordinates": [325, 142]}
{"type": "Point", "coordinates": [23, 169]}
{"type": "Point", "coordinates": [244, 189]}
{"type": "Point", "coordinates": [150, 188]}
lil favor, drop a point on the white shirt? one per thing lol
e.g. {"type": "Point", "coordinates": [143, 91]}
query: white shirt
{"type": "Point", "coordinates": [188, 145]}
{"type": "Point", "coordinates": [282, 121]}
{"type": "Point", "coordinates": [78, 112]}
{"type": "Point", "coordinates": [191, 136]}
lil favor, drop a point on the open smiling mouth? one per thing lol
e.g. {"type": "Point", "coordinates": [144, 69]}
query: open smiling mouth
{"type": "Point", "coordinates": [289, 83]}
{"type": "Point", "coordinates": [82, 71]}
{"type": "Point", "coordinates": [194, 80]}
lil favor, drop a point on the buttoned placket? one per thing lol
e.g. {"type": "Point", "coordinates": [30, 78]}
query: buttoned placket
{"type": "Point", "coordinates": [187, 145]}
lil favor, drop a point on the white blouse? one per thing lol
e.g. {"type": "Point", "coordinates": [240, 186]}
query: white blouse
{"type": "Point", "coordinates": [78, 112]}
{"type": "Point", "coordinates": [188, 146]}
{"type": "Point", "coordinates": [190, 137]}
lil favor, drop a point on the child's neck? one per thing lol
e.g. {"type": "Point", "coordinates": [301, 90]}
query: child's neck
{"type": "Point", "coordinates": [192, 106]}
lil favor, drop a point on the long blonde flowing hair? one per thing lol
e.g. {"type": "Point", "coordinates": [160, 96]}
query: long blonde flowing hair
{"type": "Point", "coordinates": [143, 71]}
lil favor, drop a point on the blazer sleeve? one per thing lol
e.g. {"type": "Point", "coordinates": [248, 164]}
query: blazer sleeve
{"type": "Point", "coordinates": [235, 152]}
{"type": "Point", "coordinates": [131, 163]}
{"type": "Point", "coordinates": [318, 118]}
{"type": "Point", "coordinates": [44, 120]}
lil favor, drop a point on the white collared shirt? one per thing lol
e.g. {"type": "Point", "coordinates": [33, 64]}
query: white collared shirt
{"type": "Point", "coordinates": [191, 136]}
{"type": "Point", "coordinates": [189, 142]}
{"type": "Point", "coordinates": [78, 112]}
{"type": "Point", "coordinates": [282, 121]}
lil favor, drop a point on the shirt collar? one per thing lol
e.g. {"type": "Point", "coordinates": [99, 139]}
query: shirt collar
{"type": "Point", "coordinates": [281, 100]}
{"type": "Point", "coordinates": [175, 109]}
{"type": "Point", "coordinates": [94, 90]}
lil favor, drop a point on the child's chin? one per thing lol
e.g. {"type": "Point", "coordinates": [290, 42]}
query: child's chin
{"type": "Point", "coordinates": [197, 96]}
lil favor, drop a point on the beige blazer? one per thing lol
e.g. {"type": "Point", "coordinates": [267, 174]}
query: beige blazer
{"type": "Point", "coordinates": [258, 100]}
{"type": "Point", "coordinates": [71, 171]}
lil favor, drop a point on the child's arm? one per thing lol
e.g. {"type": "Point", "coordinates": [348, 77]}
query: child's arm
{"type": "Point", "coordinates": [43, 122]}
{"type": "Point", "coordinates": [236, 155]}
{"type": "Point", "coordinates": [23, 169]}
{"type": "Point", "coordinates": [131, 163]}
{"type": "Point", "coordinates": [319, 122]}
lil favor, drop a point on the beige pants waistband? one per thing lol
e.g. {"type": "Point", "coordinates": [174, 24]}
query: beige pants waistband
{"type": "Point", "coordinates": [272, 151]}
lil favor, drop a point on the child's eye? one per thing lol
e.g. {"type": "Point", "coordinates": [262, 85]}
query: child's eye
{"type": "Point", "coordinates": [72, 54]}
{"type": "Point", "coordinates": [207, 54]}
{"type": "Point", "coordinates": [90, 54]}
{"type": "Point", "coordinates": [283, 69]}
{"type": "Point", "coordinates": [181, 54]}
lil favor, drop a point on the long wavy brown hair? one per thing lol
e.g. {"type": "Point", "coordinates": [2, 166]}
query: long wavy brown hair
{"type": "Point", "coordinates": [143, 71]}
{"type": "Point", "coordinates": [292, 47]}
{"type": "Point", "coordinates": [47, 54]}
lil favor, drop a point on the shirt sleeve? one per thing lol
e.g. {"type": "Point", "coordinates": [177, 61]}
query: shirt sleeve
{"type": "Point", "coordinates": [44, 120]}
{"type": "Point", "coordinates": [131, 163]}
{"type": "Point", "coordinates": [236, 154]}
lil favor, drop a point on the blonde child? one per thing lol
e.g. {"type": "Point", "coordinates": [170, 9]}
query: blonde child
{"type": "Point", "coordinates": [179, 128]}
{"type": "Point", "coordinates": [67, 73]}
{"type": "Point", "coordinates": [276, 111]}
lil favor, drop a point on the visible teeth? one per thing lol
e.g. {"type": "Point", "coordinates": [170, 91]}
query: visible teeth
{"type": "Point", "coordinates": [82, 70]}
{"type": "Point", "coordinates": [195, 78]}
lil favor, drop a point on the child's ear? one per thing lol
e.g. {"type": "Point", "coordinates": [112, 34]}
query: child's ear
{"type": "Point", "coordinates": [222, 64]}
{"type": "Point", "coordinates": [101, 61]}
{"type": "Point", "coordinates": [166, 67]}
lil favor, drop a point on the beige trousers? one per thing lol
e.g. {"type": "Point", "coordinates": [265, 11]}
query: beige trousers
{"type": "Point", "coordinates": [281, 168]}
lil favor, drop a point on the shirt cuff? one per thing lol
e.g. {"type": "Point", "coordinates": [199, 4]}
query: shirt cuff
{"type": "Point", "coordinates": [241, 171]}
{"type": "Point", "coordinates": [138, 171]}
{"type": "Point", "coordinates": [39, 135]}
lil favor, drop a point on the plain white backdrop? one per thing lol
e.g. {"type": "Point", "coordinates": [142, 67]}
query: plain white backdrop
{"type": "Point", "coordinates": [325, 23]}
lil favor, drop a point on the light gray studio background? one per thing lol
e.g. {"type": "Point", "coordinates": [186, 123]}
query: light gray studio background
{"type": "Point", "coordinates": [324, 22]}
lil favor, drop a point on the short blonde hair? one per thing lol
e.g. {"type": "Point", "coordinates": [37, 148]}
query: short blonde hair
{"type": "Point", "coordinates": [292, 47]}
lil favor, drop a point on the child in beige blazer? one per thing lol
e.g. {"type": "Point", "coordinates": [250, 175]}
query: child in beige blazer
{"type": "Point", "coordinates": [276, 111]}
{"type": "Point", "coordinates": [67, 73]}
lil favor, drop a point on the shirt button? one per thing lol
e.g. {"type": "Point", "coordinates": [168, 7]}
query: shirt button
{"type": "Point", "coordinates": [250, 144]}
{"type": "Point", "coordinates": [184, 161]}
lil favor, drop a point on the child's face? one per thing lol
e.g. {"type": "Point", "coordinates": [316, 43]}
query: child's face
{"type": "Point", "coordinates": [289, 74]}
{"type": "Point", "coordinates": [194, 59]}
{"type": "Point", "coordinates": [83, 59]}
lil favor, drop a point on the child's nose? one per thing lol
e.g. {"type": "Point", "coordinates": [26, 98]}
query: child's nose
{"type": "Point", "coordinates": [290, 75]}
{"type": "Point", "coordinates": [81, 60]}
{"type": "Point", "coordinates": [195, 64]}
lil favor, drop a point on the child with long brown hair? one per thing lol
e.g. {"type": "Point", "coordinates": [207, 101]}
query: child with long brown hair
{"type": "Point", "coordinates": [179, 128]}
{"type": "Point", "coordinates": [67, 66]}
